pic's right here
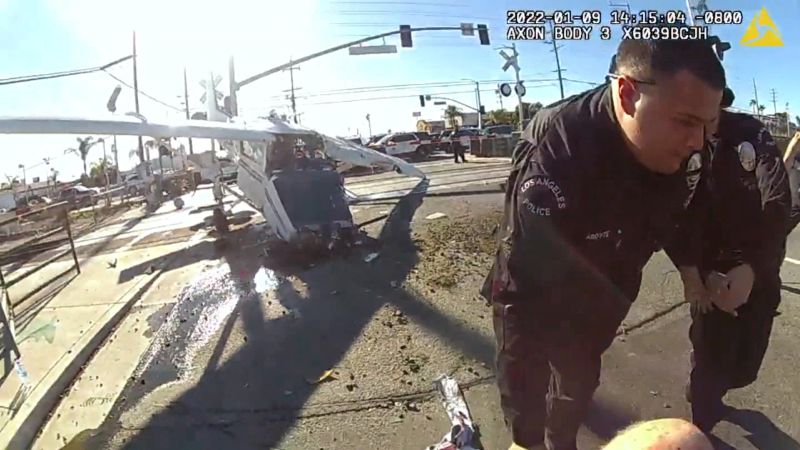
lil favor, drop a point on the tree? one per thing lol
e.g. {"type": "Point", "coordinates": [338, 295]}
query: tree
{"type": "Point", "coordinates": [12, 180]}
{"type": "Point", "coordinates": [797, 119]}
{"type": "Point", "coordinates": [84, 145]}
{"type": "Point", "coordinates": [754, 105]}
{"type": "Point", "coordinates": [451, 113]}
{"type": "Point", "coordinates": [761, 109]}
{"type": "Point", "coordinates": [98, 168]}
{"type": "Point", "coordinates": [499, 116]}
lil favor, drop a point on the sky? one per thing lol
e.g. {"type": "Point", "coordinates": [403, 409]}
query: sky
{"type": "Point", "coordinates": [42, 36]}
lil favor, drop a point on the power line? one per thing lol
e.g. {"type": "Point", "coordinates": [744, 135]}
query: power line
{"type": "Point", "coordinates": [66, 73]}
{"type": "Point", "coordinates": [142, 92]}
{"type": "Point", "coordinates": [430, 84]}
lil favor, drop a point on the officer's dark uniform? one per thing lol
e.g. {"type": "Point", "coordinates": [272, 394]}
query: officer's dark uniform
{"type": "Point", "coordinates": [794, 186]}
{"type": "Point", "coordinates": [582, 218]}
{"type": "Point", "coordinates": [458, 149]}
{"type": "Point", "coordinates": [746, 221]}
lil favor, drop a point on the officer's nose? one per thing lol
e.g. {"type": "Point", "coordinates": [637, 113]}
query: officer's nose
{"type": "Point", "coordinates": [696, 138]}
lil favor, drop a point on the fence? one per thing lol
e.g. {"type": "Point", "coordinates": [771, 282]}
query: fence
{"type": "Point", "coordinates": [27, 250]}
{"type": "Point", "coordinates": [493, 147]}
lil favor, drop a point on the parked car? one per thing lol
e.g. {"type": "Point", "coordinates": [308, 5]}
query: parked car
{"type": "Point", "coordinates": [407, 144]}
{"type": "Point", "coordinates": [134, 184]}
{"type": "Point", "coordinates": [30, 203]}
{"type": "Point", "coordinates": [375, 139]}
{"type": "Point", "coordinates": [498, 131]}
{"type": "Point", "coordinates": [78, 196]}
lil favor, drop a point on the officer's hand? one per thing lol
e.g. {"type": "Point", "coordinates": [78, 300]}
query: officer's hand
{"type": "Point", "coordinates": [732, 290]}
{"type": "Point", "coordinates": [694, 291]}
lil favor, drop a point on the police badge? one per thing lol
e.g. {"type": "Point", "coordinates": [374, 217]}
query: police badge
{"type": "Point", "coordinates": [695, 163]}
{"type": "Point", "coordinates": [747, 156]}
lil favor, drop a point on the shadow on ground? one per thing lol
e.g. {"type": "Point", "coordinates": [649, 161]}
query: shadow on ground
{"type": "Point", "coordinates": [764, 434]}
{"type": "Point", "coordinates": [253, 398]}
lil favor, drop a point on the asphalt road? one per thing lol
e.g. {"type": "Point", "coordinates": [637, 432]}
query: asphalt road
{"type": "Point", "coordinates": [234, 362]}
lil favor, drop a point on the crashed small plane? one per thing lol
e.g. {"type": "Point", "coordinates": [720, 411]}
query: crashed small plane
{"type": "Point", "coordinates": [300, 197]}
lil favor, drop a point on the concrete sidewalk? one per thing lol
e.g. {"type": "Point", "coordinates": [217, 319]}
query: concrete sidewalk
{"type": "Point", "coordinates": [60, 334]}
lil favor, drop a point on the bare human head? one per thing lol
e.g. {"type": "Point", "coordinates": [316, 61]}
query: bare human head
{"type": "Point", "coordinates": [660, 434]}
{"type": "Point", "coordinates": [666, 93]}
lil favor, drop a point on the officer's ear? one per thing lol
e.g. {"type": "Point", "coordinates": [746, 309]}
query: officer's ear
{"type": "Point", "coordinates": [627, 92]}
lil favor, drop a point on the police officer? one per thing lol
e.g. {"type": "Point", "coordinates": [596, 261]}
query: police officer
{"type": "Point", "coordinates": [743, 234]}
{"type": "Point", "coordinates": [599, 182]}
{"type": "Point", "coordinates": [791, 161]}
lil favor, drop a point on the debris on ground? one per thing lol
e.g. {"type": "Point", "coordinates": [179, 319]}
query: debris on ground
{"type": "Point", "coordinates": [434, 216]}
{"type": "Point", "coordinates": [463, 434]}
{"type": "Point", "coordinates": [370, 257]}
{"type": "Point", "coordinates": [325, 376]}
{"type": "Point", "coordinates": [150, 269]}
{"type": "Point", "coordinates": [447, 258]}
{"type": "Point", "coordinates": [112, 265]}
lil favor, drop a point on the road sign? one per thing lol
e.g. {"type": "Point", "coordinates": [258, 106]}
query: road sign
{"type": "Point", "coordinates": [372, 49]}
{"type": "Point", "coordinates": [505, 89]}
{"type": "Point", "coordinates": [416, 114]}
{"type": "Point", "coordinates": [467, 29]}
{"type": "Point", "coordinates": [511, 61]}
{"type": "Point", "coordinates": [520, 89]}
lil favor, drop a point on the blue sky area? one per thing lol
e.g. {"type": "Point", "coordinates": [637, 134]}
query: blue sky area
{"type": "Point", "coordinates": [42, 36]}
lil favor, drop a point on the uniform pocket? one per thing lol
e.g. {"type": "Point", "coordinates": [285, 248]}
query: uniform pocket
{"type": "Point", "coordinates": [502, 322]}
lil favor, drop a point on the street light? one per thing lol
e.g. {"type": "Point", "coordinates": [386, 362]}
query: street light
{"type": "Point", "coordinates": [478, 96]}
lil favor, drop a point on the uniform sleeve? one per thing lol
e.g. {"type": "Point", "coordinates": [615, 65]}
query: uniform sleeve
{"type": "Point", "coordinates": [766, 246]}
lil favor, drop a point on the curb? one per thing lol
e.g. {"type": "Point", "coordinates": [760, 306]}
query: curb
{"type": "Point", "coordinates": [28, 428]}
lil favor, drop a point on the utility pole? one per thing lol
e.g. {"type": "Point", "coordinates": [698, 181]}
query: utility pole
{"type": "Point", "coordinates": [116, 155]}
{"type": "Point", "coordinates": [136, 99]}
{"type": "Point", "coordinates": [755, 93]}
{"type": "Point", "coordinates": [774, 101]}
{"type": "Point", "coordinates": [478, 94]}
{"type": "Point", "coordinates": [291, 80]}
{"type": "Point", "coordinates": [500, 97]}
{"type": "Point", "coordinates": [558, 61]}
{"type": "Point", "coordinates": [186, 106]}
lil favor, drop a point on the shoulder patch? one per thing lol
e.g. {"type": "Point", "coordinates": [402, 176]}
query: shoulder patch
{"type": "Point", "coordinates": [747, 156]}
{"type": "Point", "coordinates": [542, 196]}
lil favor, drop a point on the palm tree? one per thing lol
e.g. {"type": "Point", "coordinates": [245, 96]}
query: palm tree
{"type": "Point", "coordinates": [84, 145]}
{"type": "Point", "coordinates": [12, 180]}
{"type": "Point", "coordinates": [754, 105]}
{"type": "Point", "coordinates": [761, 109]}
{"type": "Point", "coordinates": [451, 113]}
{"type": "Point", "coordinates": [499, 116]}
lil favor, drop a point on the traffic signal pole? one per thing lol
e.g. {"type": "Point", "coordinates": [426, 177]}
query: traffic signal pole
{"type": "Point", "coordinates": [235, 86]}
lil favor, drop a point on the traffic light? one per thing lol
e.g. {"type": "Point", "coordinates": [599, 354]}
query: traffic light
{"type": "Point", "coordinates": [422, 101]}
{"type": "Point", "coordinates": [483, 34]}
{"type": "Point", "coordinates": [405, 35]}
{"type": "Point", "coordinates": [483, 109]}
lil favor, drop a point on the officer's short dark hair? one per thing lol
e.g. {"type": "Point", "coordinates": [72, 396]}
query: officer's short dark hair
{"type": "Point", "coordinates": [647, 59]}
{"type": "Point", "coordinates": [727, 97]}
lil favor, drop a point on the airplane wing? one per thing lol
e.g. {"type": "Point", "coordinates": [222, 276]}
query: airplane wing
{"type": "Point", "coordinates": [239, 131]}
{"type": "Point", "coordinates": [345, 151]}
